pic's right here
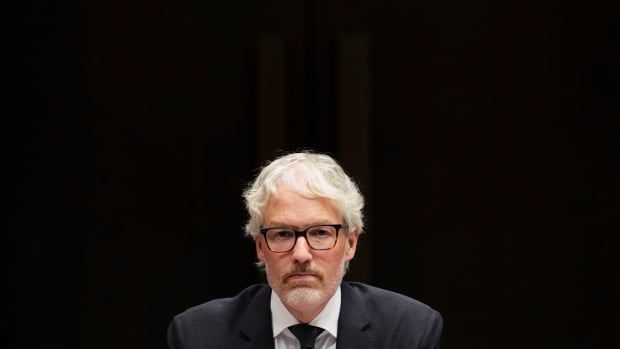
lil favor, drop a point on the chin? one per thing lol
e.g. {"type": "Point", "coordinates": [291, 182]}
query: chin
{"type": "Point", "coordinates": [305, 297]}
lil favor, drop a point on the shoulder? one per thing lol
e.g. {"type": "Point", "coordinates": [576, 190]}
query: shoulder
{"type": "Point", "coordinates": [378, 299]}
{"type": "Point", "coordinates": [213, 323]}
{"type": "Point", "coordinates": [219, 309]}
{"type": "Point", "coordinates": [395, 319]}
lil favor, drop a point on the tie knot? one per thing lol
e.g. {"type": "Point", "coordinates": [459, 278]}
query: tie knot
{"type": "Point", "coordinates": [306, 334]}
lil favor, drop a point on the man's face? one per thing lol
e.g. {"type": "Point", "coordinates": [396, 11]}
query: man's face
{"type": "Point", "coordinates": [304, 278]}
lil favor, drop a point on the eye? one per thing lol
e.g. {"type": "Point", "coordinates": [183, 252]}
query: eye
{"type": "Point", "coordinates": [280, 234]}
{"type": "Point", "coordinates": [321, 232]}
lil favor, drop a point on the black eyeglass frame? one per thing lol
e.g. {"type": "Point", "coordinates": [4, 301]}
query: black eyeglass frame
{"type": "Point", "coordinates": [303, 233]}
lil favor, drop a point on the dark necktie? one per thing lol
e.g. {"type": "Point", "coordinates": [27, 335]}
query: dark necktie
{"type": "Point", "coordinates": [306, 334]}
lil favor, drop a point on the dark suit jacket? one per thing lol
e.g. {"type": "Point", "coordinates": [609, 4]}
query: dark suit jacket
{"type": "Point", "coordinates": [369, 318]}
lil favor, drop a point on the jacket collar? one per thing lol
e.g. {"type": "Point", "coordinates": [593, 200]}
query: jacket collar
{"type": "Point", "coordinates": [354, 322]}
{"type": "Point", "coordinates": [255, 322]}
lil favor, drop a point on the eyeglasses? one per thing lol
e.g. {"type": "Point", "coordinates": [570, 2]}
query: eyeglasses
{"type": "Point", "coordinates": [319, 237]}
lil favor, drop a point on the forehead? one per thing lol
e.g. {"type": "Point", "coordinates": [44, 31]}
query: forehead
{"type": "Point", "coordinates": [292, 208]}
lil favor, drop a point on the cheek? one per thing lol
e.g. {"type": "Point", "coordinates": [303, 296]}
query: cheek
{"type": "Point", "coordinates": [334, 261]}
{"type": "Point", "coordinates": [276, 265]}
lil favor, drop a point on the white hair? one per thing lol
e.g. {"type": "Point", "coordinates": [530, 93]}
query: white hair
{"type": "Point", "coordinates": [310, 174]}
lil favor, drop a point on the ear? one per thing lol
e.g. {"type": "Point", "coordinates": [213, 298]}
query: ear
{"type": "Point", "coordinates": [260, 248]}
{"type": "Point", "coordinates": [351, 244]}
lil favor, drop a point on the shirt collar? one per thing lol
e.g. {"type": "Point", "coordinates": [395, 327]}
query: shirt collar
{"type": "Point", "coordinates": [327, 318]}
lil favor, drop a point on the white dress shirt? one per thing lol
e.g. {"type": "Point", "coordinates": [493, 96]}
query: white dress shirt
{"type": "Point", "coordinates": [327, 319]}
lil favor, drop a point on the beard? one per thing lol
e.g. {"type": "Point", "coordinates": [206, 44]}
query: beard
{"type": "Point", "coordinates": [305, 296]}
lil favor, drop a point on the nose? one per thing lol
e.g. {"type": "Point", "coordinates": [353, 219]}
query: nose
{"type": "Point", "coordinates": [302, 251]}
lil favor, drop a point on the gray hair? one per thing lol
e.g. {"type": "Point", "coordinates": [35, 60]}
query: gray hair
{"type": "Point", "coordinates": [310, 174]}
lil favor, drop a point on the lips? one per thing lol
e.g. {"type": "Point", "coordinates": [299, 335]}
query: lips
{"type": "Point", "coordinates": [301, 276]}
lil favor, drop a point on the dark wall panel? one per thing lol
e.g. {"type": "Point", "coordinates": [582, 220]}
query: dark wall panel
{"type": "Point", "coordinates": [491, 170]}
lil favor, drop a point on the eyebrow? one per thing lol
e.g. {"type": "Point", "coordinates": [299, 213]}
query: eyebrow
{"type": "Point", "coordinates": [276, 224]}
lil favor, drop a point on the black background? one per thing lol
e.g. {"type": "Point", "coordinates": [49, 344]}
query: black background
{"type": "Point", "coordinates": [490, 162]}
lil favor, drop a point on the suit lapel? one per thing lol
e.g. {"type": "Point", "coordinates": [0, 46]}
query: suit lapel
{"type": "Point", "coordinates": [255, 322]}
{"type": "Point", "coordinates": [353, 321]}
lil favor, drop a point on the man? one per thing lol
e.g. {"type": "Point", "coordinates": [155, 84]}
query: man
{"type": "Point", "coordinates": [305, 219]}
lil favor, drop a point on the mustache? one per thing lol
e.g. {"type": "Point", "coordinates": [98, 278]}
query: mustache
{"type": "Point", "coordinates": [302, 268]}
